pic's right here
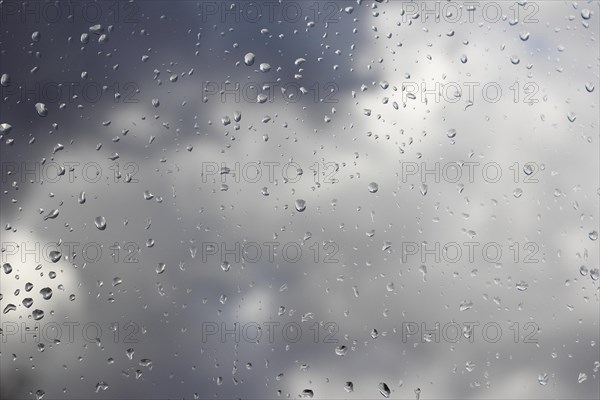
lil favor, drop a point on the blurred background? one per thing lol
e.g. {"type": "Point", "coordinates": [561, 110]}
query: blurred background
{"type": "Point", "coordinates": [402, 196]}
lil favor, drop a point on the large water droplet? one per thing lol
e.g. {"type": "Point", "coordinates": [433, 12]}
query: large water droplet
{"type": "Point", "coordinates": [373, 187]}
{"type": "Point", "coordinates": [249, 59]}
{"type": "Point", "coordinates": [46, 293]}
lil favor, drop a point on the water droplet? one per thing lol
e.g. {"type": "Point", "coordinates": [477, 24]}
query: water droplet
{"type": "Point", "coordinates": [100, 222]}
{"type": "Point", "coordinates": [265, 191]}
{"type": "Point", "coordinates": [586, 14]}
{"type": "Point", "coordinates": [373, 187]}
{"type": "Point", "coordinates": [9, 307]}
{"type": "Point", "coordinates": [261, 98]}
{"type": "Point", "coordinates": [524, 36]}
{"type": "Point", "coordinates": [7, 268]}
{"type": "Point", "coordinates": [81, 198]}
{"type": "Point", "coordinates": [41, 109]}
{"type": "Point", "coordinates": [465, 305]}
{"type": "Point", "coordinates": [594, 274]}
{"type": "Point", "coordinates": [583, 270]}
{"type": "Point", "coordinates": [341, 350]}
{"type": "Point", "coordinates": [160, 268]}
{"type": "Point", "coordinates": [37, 314]}
{"type": "Point", "coordinates": [4, 80]}
{"type": "Point", "coordinates": [5, 128]}
{"type": "Point", "coordinates": [589, 87]}
{"type": "Point", "coordinates": [349, 387]}
{"type": "Point", "coordinates": [101, 386]}
{"type": "Point", "coordinates": [46, 293]}
{"type": "Point", "coordinates": [264, 67]}
{"type": "Point", "coordinates": [51, 215]}
{"type": "Point", "coordinates": [384, 390]}
{"type": "Point", "coordinates": [463, 59]}
{"type": "Point", "coordinates": [237, 116]}
{"type": "Point", "coordinates": [300, 205]}
{"type": "Point", "coordinates": [27, 302]}
{"type": "Point", "coordinates": [36, 36]}
{"type": "Point", "coordinates": [55, 256]}
{"type": "Point", "coordinates": [518, 192]}
{"type": "Point", "coordinates": [225, 266]}
{"type": "Point", "coordinates": [451, 133]}
{"type": "Point", "coordinates": [593, 235]}
{"type": "Point", "coordinates": [515, 60]}
{"type": "Point", "coordinates": [582, 377]}
{"type": "Point", "coordinates": [249, 59]}
{"type": "Point", "coordinates": [522, 286]}
{"type": "Point", "coordinates": [307, 394]}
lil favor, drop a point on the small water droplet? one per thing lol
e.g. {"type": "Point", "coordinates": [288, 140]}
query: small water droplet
{"type": "Point", "coordinates": [160, 268]}
{"type": "Point", "coordinates": [51, 215]}
{"type": "Point", "coordinates": [465, 305]}
{"type": "Point", "coordinates": [522, 286]}
{"type": "Point", "coordinates": [384, 389]}
{"type": "Point", "coordinates": [100, 223]}
{"type": "Point", "coordinates": [41, 109]}
{"type": "Point", "coordinates": [518, 192]}
{"type": "Point", "coordinates": [373, 187]}
{"type": "Point", "coordinates": [37, 314]}
{"type": "Point", "coordinates": [7, 268]}
{"type": "Point", "coordinates": [55, 256]}
{"type": "Point", "coordinates": [341, 350]}
{"type": "Point", "coordinates": [300, 205]}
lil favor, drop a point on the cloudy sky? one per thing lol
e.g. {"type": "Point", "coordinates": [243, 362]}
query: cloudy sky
{"type": "Point", "coordinates": [336, 199]}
